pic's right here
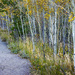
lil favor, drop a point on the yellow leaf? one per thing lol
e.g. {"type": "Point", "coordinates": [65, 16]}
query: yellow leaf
{"type": "Point", "coordinates": [71, 19]}
{"type": "Point", "coordinates": [30, 12]}
{"type": "Point", "coordinates": [47, 16]}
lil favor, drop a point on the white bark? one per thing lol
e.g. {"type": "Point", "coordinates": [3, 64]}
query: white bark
{"type": "Point", "coordinates": [39, 23]}
{"type": "Point", "coordinates": [55, 34]}
{"type": "Point", "coordinates": [44, 28]}
{"type": "Point", "coordinates": [52, 30]}
{"type": "Point", "coordinates": [12, 19]}
{"type": "Point", "coordinates": [73, 32]}
{"type": "Point", "coordinates": [33, 19]}
{"type": "Point", "coordinates": [49, 26]}
{"type": "Point", "coordinates": [7, 23]}
{"type": "Point", "coordinates": [20, 8]}
{"type": "Point", "coordinates": [29, 18]}
{"type": "Point", "coordinates": [2, 23]}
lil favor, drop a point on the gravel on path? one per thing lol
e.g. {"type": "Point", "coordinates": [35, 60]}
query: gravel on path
{"type": "Point", "coordinates": [11, 64]}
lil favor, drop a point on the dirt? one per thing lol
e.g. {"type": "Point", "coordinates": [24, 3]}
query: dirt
{"type": "Point", "coordinates": [11, 64]}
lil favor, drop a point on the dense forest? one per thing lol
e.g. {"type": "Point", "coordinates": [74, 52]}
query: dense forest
{"type": "Point", "coordinates": [42, 31]}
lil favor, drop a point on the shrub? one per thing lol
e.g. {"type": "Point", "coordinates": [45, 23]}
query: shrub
{"type": "Point", "coordinates": [13, 46]}
{"type": "Point", "coordinates": [47, 65]}
{"type": "Point", "coordinates": [4, 36]}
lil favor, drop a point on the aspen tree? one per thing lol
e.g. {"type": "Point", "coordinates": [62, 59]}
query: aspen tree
{"type": "Point", "coordinates": [39, 21]}
{"type": "Point", "coordinates": [20, 8]}
{"type": "Point", "coordinates": [33, 18]}
{"type": "Point", "coordinates": [73, 29]}
{"type": "Point", "coordinates": [2, 23]}
{"type": "Point", "coordinates": [29, 18]}
{"type": "Point", "coordinates": [55, 33]}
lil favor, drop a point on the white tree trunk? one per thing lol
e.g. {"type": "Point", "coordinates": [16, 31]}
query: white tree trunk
{"type": "Point", "coordinates": [2, 23]}
{"type": "Point", "coordinates": [55, 34]}
{"type": "Point", "coordinates": [39, 24]}
{"type": "Point", "coordinates": [73, 32]}
{"type": "Point", "coordinates": [29, 18]}
{"type": "Point", "coordinates": [20, 8]}
{"type": "Point", "coordinates": [49, 26]}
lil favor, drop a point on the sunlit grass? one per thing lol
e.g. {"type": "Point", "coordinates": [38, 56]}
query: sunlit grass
{"type": "Point", "coordinates": [47, 65]}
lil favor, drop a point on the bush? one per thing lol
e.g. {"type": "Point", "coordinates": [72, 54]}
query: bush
{"type": "Point", "coordinates": [13, 46]}
{"type": "Point", "coordinates": [4, 36]}
{"type": "Point", "coordinates": [47, 65]}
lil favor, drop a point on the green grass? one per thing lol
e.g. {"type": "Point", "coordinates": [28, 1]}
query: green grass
{"type": "Point", "coordinates": [48, 65]}
{"type": "Point", "coordinates": [41, 66]}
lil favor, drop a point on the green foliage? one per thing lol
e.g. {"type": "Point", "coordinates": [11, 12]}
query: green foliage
{"type": "Point", "coordinates": [18, 25]}
{"type": "Point", "coordinates": [0, 31]}
{"type": "Point", "coordinates": [23, 54]}
{"type": "Point", "coordinates": [15, 51]}
{"type": "Point", "coordinates": [42, 58]}
{"type": "Point", "coordinates": [41, 66]}
{"type": "Point", "coordinates": [4, 36]}
{"type": "Point", "coordinates": [14, 47]}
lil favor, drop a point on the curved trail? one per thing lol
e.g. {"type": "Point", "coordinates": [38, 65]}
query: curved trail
{"type": "Point", "coordinates": [11, 64]}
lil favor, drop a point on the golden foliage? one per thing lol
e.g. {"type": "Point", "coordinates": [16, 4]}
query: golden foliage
{"type": "Point", "coordinates": [47, 16]}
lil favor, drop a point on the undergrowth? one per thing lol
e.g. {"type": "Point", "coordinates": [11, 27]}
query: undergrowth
{"type": "Point", "coordinates": [47, 65]}
{"type": "Point", "coordinates": [42, 65]}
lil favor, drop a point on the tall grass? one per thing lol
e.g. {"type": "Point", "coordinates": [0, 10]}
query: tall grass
{"type": "Point", "coordinates": [49, 65]}
{"type": "Point", "coordinates": [41, 65]}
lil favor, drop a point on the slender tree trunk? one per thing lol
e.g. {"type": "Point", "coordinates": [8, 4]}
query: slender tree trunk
{"type": "Point", "coordinates": [52, 31]}
{"type": "Point", "coordinates": [18, 30]}
{"type": "Point", "coordinates": [12, 19]}
{"type": "Point", "coordinates": [68, 38]}
{"type": "Point", "coordinates": [49, 26]}
{"type": "Point", "coordinates": [29, 19]}
{"type": "Point", "coordinates": [58, 34]}
{"type": "Point", "coordinates": [20, 8]}
{"type": "Point", "coordinates": [55, 34]}
{"type": "Point", "coordinates": [39, 24]}
{"type": "Point", "coordinates": [33, 19]}
{"type": "Point", "coordinates": [25, 30]}
{"type": "Point", "coordinates": [22, 27]}
{"type": "Point", "coordinates": [73, 29]}
{"type": "Point", "coordinates": [73, 32]}
{"type": "Point", "coordinates": [8, 22]}
{"type": "Point", "coordinates": [64, 36]}
{"type": "Point", "coordinates": [43, 34]}
{"type": "Point", "coordinates": [2, 23]}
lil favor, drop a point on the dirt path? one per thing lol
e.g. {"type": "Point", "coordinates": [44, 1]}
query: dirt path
{"type": "Point", "coordinates": [11, 64]}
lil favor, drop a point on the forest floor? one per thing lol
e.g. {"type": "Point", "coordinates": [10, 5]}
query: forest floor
{"type": "Point", "coordinates": [11, 64]}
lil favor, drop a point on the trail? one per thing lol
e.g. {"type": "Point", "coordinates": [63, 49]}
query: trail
{"type": "Point", "coordinates": [11, 64]}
